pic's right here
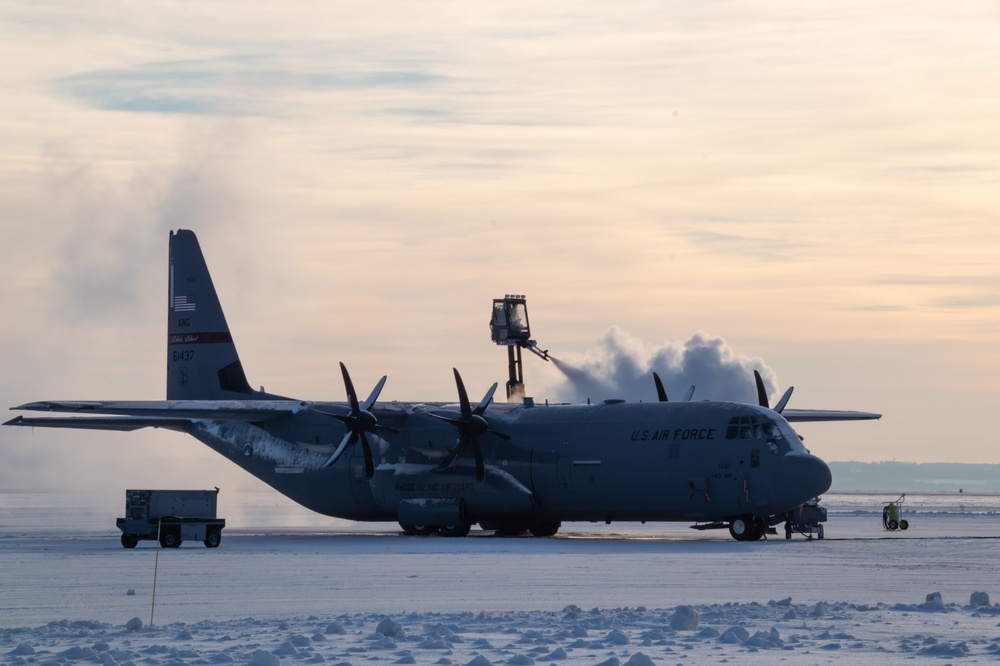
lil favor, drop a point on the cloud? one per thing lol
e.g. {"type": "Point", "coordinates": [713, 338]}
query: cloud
{"type": "Point", "coordinates": [622, 366]}
{"type": "Point", "coordinates": [767, 239]}
{"type": "Point", "coordinates": [235, 85]}
{"type": "Point", "coordinates": [110, 225]}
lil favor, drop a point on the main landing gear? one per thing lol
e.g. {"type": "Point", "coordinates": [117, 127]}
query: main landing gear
{"type": "Point", "coordinates": [747, 528]}
{"type": "Point", "coordinates": [742, 528]}
{"type": "Point", "coordinates": [542, 529]}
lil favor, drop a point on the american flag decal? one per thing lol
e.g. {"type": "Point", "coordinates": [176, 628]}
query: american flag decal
{"type": "Point", "coordinates": [183, 304]}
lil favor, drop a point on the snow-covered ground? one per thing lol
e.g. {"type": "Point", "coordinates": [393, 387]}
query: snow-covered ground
{"type": "Point", "coordinates": [328, 591]}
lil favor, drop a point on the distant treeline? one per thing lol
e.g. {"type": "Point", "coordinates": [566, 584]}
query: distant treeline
{"type": "Point", "coordinates": [908, 477]}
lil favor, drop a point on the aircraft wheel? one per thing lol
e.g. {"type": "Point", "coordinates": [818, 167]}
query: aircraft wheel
{"type": "Point", "coordinates": [819, 531]}
{"type": "Point", "coordinates": [740, 528]}
{"type": "Point", "coordinates": [545, 529]}
{"type": "Point", "coordinates": [456, 530]}
{"type": "Point", "coordinates": [213, 538]}
{"type": "Point", "coordinates": [903, 524]}
{"type": "Point", "coordinates": [746, 528]}
{"type": "Point", "coordinates": [130, 541]}
{"type": "Point", "coordinates": [893, 525]}
{"type": "Point", "coordinates": [170, 538]}
{"type": "Point", "coordinates": [418, 530]}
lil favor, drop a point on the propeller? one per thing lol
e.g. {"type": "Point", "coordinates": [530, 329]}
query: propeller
{"type": "Point", "coordinates": [762, 394]}
{"type": "Point", "coordinates": [358, 421]}
{"type": "Point", "coordinates": [661, 393]}
{"type": "Point", "coordinates": [470, 424]}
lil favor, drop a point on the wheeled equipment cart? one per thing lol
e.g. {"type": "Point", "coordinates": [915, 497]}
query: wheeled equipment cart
{"type": "Point", "coordinates": [172, 516]}
{"type": "Point", "coordinates": [807, 520]}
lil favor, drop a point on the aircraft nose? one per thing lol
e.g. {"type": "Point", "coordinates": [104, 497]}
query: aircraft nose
{"type": "Point", "coordinates": [803, 477]}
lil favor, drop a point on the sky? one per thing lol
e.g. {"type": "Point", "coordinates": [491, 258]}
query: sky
{"type": "Point", "coordinates": [693, 188]}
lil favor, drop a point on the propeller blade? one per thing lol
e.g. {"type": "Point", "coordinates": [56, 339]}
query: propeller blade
{"type": "Point", "coordinates": [339, 452]}
{"type": "Point", "coordinates": [373, 396]}
{"type": "Point", "coordinates": [761, 391]}
{"type": "Point", "coordinates": [445, 416]}
{"type": "Point", "coordinates": [463, 396]}
{"type": "Point", "coordinates": [689, 394]}
{"type": "Point", "coordinates": [450, 458]}
{"type": "Point", "coordinates": [352, 395]}
{"type": "Point", "coordinates": [661, 393]}
{"type": "Point", "coordinates": [784, 400]}
{"type": "Point", "coordinates": [480, 465]}
{"type": "Point", "coordinates": [485, 402]}
{"type": "Point", "coordinates": [369, 461]}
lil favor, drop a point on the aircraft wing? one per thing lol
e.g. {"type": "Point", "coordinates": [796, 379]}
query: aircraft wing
{"type": "Point", "coordinates": [254, 411]}
{"type": "Point", "coordinates": [120, 423]}
{"type": "Point", "coordinates": [815, 415]}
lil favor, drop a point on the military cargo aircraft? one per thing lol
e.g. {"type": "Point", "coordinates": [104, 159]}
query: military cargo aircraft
{"type": "Point", "coordinates": [512, 468]}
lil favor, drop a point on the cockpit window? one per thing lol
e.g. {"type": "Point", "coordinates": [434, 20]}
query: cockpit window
{"type": "Point", "coordinates": [752, 427]}
{"type": "Point", "coordinates": [790, 439]}
{"type": "Point", "coordinates": [748, 427]}
{"type": "Point", "coordinates": [778, 439]}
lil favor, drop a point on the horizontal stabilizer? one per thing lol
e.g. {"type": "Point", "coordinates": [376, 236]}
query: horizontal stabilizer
{"type": "Point", "coordinates": [816, 415]}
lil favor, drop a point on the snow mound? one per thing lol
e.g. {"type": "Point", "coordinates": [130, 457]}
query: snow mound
{"type": "Point", "coordinates": [685, 618]}
{"type": "Point", "coordinates": [712, 633]}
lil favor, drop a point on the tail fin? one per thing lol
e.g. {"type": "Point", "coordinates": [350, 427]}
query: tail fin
{"type": "Point", "coordinates": [202, 363]}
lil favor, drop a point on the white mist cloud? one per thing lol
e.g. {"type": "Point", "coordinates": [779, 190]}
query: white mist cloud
{"type": "Point", "coordinates": [103, 224]}
{"type": "Point", "coordinates": [622, 366]}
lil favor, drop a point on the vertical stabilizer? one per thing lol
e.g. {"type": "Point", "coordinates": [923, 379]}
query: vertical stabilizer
{"type": "Point", "coordinates": [202, 363]}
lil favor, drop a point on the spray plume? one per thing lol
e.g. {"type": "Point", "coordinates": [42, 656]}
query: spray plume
{"type": "Point", "coordinates": [622, 366]}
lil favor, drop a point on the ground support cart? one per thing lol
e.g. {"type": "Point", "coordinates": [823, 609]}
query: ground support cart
{"type": "Point", "coordinates": [173, 516]}
{"type": "Point", "coordinates": [807, 520]}
{"type": "Point", "coordinates": [891, 515]}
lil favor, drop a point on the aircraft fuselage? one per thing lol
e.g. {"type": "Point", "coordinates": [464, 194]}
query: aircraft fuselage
{"type": "Point", "coordinates": [697, 461]}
